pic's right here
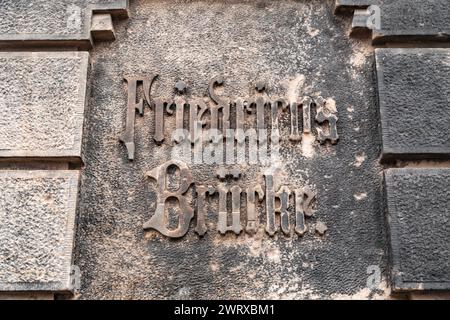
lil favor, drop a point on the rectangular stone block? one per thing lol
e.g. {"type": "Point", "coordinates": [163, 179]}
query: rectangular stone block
{"type": "Point", "coordinates": [401, 20]}
{"type": "Point", "coordinates": [413, 20]}
{"type": "Point", "coordinates": [418, 207]}
{"type": "Point", "coordinates": [414, 99]}
{"type": "Point", "coordinates": [37, 217]}
{"type": "Point", "coordinates": [42, 103]}
{"type": "Point", "coordinates": [43, 22]}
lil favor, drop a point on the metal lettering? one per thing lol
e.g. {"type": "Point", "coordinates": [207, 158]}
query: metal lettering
{"type": "Point", "coordinates": [254, 195]}
{"type": "Point", "coordinates": [158, 220]}
{"type": "Point", "coordinates": [128, 137]}
{"type": "Point", "coordinates": [222, 225]}
{"type": "Point", "coordinates": [201, 191]}
{"type": "Point", "coordinates": [324, 115]}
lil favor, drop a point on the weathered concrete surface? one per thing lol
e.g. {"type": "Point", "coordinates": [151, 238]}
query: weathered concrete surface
{"type": "Point", "coordinates": [37, 219]}
{"type": "Point", "coordinates": [419, 221]}
{"type": "Point", "coordinates": [42, 103]}
{"type": "Point", "coordinates": [405, 20]}
{"type": "Point", "coordinates": [61, 23]}
{"type": "Point", "coordinates": [414, 91]}
{"type": "Point", "coordinates": [299, 48]}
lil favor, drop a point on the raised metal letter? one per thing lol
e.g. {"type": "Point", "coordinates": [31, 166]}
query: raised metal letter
{"type": "Point", "coordinates": [128, 137]}
{"type": "Point", "coordinates": [158, 220]}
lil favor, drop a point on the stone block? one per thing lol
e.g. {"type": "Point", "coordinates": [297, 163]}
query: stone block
{"type": "Point", "coordinates": [403, 20]}
{"type": "Point", "coordinates": [37, 217]}
{"type": "Point", "coordinates": [102, 28]}
{"type": "Point", "coordinates": [43, 22]}
{"type": "Point", "coordinates": [42, 103]}
{"type": "Point", "coordinates": [414, 98]}
{"type": "Point", "coordinates": [419, 222]}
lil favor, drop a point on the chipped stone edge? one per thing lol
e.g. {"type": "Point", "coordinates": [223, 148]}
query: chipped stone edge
{"type": "Point", "coordinates": [397, 283]}
{"type": "Point", "coordinates": [65, 285]}
{"type": "Point", "coordinates": [75, 153]}
{"type": "Point", "coordinates": [102, 31]}
{"type": "Point", "coordinates": [84, 40]}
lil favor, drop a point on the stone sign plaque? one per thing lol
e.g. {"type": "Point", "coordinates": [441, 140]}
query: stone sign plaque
{"type": "Point", "coordinates": [232, 154]}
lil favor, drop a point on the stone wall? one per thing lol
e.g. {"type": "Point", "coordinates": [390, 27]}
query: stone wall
{"type": "Point", "coordinates": [75, 211]}
{"type": "Point", "coordinates": [43, 102]}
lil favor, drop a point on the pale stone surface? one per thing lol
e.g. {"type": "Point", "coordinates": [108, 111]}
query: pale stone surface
{"type": "Point", "coordinates": [37, 216]}
{"type": "Point", "coordinates": [102, 27]}
{"type": "Point", "coordinates": [64, 22]}
{"type": "Point", "coordinates": [42, 103]}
